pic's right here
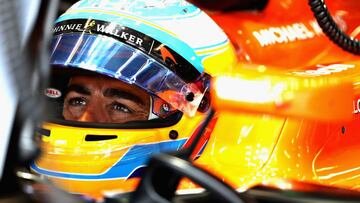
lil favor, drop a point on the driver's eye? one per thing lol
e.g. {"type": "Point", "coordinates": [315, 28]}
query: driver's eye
{"type": "Point", "coordinates": [77, 101]}
{"type": "Point", "coordinates": [120, 108]}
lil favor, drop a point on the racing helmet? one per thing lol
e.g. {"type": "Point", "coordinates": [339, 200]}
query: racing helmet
{"type": "Point", "coordinates": [166, 50]}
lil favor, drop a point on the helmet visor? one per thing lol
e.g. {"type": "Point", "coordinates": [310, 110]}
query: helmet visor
{"type": "Point", "coordinates": [113, 58]}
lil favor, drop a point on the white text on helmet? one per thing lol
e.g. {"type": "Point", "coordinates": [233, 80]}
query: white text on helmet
{"type": "Point", "coordinates": [119, 33]}
{"type": "Point", "coordinates": [75, 26]}
{"type": "Point", "coordinates": [110, 29]}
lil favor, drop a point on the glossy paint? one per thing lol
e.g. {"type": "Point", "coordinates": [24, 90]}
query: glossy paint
{"type": "Point", "coordinates": [112, 160]}
{"type": "Point", "coordinates": [264, 146]}
{"type": "Point", "coordinates": [306, 48]}
{"type": "Point", "coordinates": [91, 159]}
{"type": "Point", "coordinates": [248, 149]}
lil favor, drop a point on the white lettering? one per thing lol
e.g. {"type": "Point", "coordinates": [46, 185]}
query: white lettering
{"type": "Point", "coordinates": [62, 27]}
{"type": "Point", "coordinates": [78, 27]}
{"type": "Point", "coordinates": [101, 28]}
{"type": "Point", "coordinates": [283, 34]}
{"type": "Point", "coordinates": [289, 32]}
{"type": "Point", "coordinates": [356, 106]}
{"type": "Point", "coordinates": [264, 37]}
{"type": "Point", "coordinates": [104, 29]}
{"type": "Point", "coordinates": [139, 41]}
{"type": "Point", "coordinates": [116, 33]}
{"type": "Point", "coordinates": [315, 26]}
{"type": "Point", "coordinates": [111, 29]}
{"type": "Point", "coordinates": [70, 27]}
{"type": "Point", "coordinates": [302, 31]}
{"type": "Point", "coordinates": [325, 70]}
{"type": "Point", "coordinates": [67, 27]}
{"type": "Point", "coordinates": [132, 38]}
{"type": "Point", "coordinates": [279, 37]}
{"type": "Point", "coordinates": [124, 35]}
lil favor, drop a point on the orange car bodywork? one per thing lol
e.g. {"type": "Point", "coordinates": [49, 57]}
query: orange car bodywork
{"type": "Point", "coordinates": [247, 149]}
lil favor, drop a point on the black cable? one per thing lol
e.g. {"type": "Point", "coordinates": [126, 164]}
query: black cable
{"type": "Point", "coordinates": [330, 28]}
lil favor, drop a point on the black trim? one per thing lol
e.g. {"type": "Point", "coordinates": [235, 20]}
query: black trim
{"type": "Point", "coordinates": [43, 131]}
{"type": "Point", "coordinates": [94, 138]}
{"type": "Point", "coordinates": [154, 123]}
{"type": "Point", "coordinates": [157, 50]}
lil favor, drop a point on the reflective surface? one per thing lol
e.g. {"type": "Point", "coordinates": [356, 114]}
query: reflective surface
{"type": "Point", "coordinates": [275, 147]}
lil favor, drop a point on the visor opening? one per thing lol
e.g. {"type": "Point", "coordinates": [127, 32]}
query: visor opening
{"type": "Point", "coordinates": [94, 138]}
{"type": "Point", "coordinates": [43, 131]}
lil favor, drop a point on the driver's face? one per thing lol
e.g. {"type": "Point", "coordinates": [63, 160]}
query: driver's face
{"type": "Point", "coordinates": [105, 100]}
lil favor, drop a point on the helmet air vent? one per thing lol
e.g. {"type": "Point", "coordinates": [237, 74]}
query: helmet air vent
{"type": "Point", "coordinates": [173, 134]}
{"type": "Point", "coordinates": [43, 131]}
{"type": "Point", "coordinates": [92, 138]}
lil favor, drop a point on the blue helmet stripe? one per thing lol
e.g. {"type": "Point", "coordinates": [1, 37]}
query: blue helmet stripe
{"type": "Point", "coordinates": [126, 165]}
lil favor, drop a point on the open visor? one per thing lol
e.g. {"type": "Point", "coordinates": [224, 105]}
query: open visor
{"type": "Point", "coordinates": [113, 58]}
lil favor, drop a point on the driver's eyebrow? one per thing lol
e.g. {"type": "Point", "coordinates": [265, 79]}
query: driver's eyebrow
{"type": "Point", "coordinates": [113, 92]}
{"type": "Point", "coordinates": [79, 89]}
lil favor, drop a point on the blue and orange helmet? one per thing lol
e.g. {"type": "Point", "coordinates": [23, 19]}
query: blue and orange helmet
{"type": "Point", "coordinates": [168, 49]}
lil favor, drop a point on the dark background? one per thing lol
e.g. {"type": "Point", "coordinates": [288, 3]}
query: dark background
{"type": "Point", "coordinates": [65, 4]}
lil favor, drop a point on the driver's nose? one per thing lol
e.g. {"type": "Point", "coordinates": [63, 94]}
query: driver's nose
{"type": "Point", "coordinates": [94, 114]}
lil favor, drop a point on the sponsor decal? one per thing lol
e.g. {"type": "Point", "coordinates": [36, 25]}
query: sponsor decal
{"type": "Point", "coordinates": [140, 41]}
{"type": "Point", "coordinates": [52, 93]}
{"type": "Point", "coordinates": [324, 70]}
{"type": "Point", "coordinates": [356, 106]}
{"type": "Point", "coordinates": [287, 33]}
{"type": "Point", "coordinates": [108, 29]}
